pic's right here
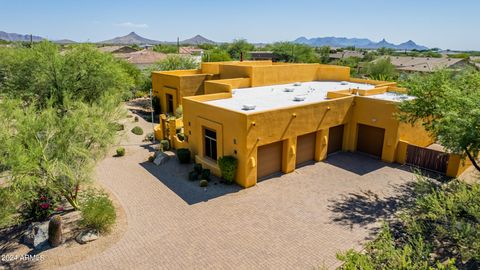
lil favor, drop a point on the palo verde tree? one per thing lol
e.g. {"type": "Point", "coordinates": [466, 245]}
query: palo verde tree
{"type": "Point", "coordinates": [238, 47]}
{"type": "Point", "coordinates": [381, 69]}
{"type": "Point", "coordinates": [57, 115]}
{"type": "Point", "coordinates": [448, 103]}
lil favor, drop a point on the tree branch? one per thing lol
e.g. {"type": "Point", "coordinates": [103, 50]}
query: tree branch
{"type": "Point", "coordinates": [472, 159]}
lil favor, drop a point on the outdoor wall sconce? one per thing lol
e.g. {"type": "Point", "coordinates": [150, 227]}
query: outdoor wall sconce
{"type": "Point", "coordinates": [254, 124]}
{"type": "Point", "coordinates": [328, 108]}
{"type": "Point", "coordinates": [253, 163]}
{"type": "Point", "coordinates": [294, 115]}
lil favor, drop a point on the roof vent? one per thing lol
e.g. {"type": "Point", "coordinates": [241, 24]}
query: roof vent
{"type": "Point", "coordinates": [297, 84]}
{"type": "Point", "coordinates": [288, 89]}
{"type": "Point", "coordinates": [343, 83]}
{"type": "Point", "coordinates": [248, 107]}
{"type": "Point", "coordinates": [299, 98]}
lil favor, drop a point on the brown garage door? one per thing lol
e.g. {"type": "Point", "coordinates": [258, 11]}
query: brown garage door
{"type": "Point", "coordinates": [269, 158]}
{"type": "Point", "coordinates": [306, 147]}
{"type": "Point", "coordinates": [370, 140]}
{"type": "Point", "coordinates": [335, 139]}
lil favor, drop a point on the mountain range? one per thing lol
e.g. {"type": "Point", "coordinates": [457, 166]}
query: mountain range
{"type": "Point", "coordinates": [18, 37]}
{"type": "Point", "coordinates": [363, 43]}
{"type": "Point", "coordinates": [134, 38]}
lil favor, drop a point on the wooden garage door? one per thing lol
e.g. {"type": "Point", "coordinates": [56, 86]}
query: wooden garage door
{"type": "Point", "coordinates": [306, 147]}
{"type": "Point", "coordinates": [370, 140]}
{"type": "Point", "coordinates": [269, 159]}
{"type": "Point", "coordinates": [335, 139]}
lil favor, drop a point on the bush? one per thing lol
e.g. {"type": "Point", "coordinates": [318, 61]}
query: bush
{"type": "Point", "coordinates": [97, 211]}
{"type": "Point", "coordinates": [118, 127]}
{"type": "Point", "coordinates": [149, 137]}
{"type": "Point", "coordinates": [137, 130]}
{"type": "Point", "coordinates": [440, 229]}
{"type": "Point", "coordinates": [203, 183]}
{"type": "Point", "coordinates": [120, 152]}
{"type": "Point", "coordinates": [228, 168]}
{"type": "Point", "coordinates": [156, 105]}
{"type": "Point", "coordinates": [198, 168]}
{"type": "Point", "coordinates": [164, 145]}
{"type": "Point", "coordinates": [183, 155]}
{"type": "Point", "coordinates": [192, 176]}
{"type": "Point", "coordinates": [205, 174]}
{"type": "Point", "coordinates": [42, 206]}
{"type": "Point", "coordinates": [135, 119]}
{"type": "Point", "coordinates": [151, 158]}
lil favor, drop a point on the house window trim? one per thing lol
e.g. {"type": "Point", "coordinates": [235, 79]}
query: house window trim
{"type": "Point", "coordinates": [205, 136]}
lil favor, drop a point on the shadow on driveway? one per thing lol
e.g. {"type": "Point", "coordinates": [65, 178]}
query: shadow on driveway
{"type": "Point", "coordinates": [175, 176]}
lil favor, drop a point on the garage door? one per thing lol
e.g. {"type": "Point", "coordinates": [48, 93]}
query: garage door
{"type": "Point", "coordinates": [269, 158]}
{"type": "Point", "coordinates": [306, 147]}
{"type": "Point", "coordinates": [370, 140]}
{"type": "Point", "coordinates": [335, 139]}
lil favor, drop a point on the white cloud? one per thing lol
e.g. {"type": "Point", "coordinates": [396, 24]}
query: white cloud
{"type": "Point", "coordinates": [132, 25]}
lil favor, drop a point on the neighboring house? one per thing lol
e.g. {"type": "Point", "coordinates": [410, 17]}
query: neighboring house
{"type": "Point", "coordinates": [346, 54]}
{"type": "Point", "coordinates": [475, 61]}
{"type": "Point", "coordinates": [117, 49]}
{"type": "Point", "coordinates": [426, 64]}
{"type": "Point", "coordinates": [276, 117]}
{"type": "Point", "coordinates": [262, 55]}
{"type": "Point", "coordinates": [143, 58]}
{"type": "Point", "coordinates": [190, 50]}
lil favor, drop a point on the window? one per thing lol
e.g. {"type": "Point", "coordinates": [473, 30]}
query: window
{"type": "Point", "coordinates": [210, 142]}
{"type": "Point", "coordinates": [169, 103]}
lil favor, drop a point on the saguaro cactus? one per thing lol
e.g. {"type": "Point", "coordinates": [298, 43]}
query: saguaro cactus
{"type": "Point", "coordinates": [55, 231]}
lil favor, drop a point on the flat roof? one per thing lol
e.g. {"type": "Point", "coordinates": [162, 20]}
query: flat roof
{"type": "Point", "coordinates": [284, 95]}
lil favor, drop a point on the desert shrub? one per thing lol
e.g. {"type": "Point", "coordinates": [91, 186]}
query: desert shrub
{"type": "Point", "coordinates": [203, 183]}
{"type": "Point", "coordinates": [165, 145]}
{"type": "Point", "coordinates": [183, 155]}
{"type": "Point", "coordinates": [228, 168]}
{"type": "Point", "coordinates": [198, 168]}
{"type": "Point", "coordinates": [205, 174]}
{"type": "Point", "coordinates": [97, 211]}
{"type": "Point", "coordinates": [137, 130]}
{"type": "Point", "coordinates": [118, 127]}
{"type": "Point", "coordinates": [156, 105]}
{"type": "Point", "coordinates": [192, 176]}
{"type": "Point", "coordinates": [151, 158]}
{"type": "Point", "coordinates": [440, 230]}
{"type": "Point", "coordinates": [120, 151]}
{"type": "Point", "coordinates": [149, 137]}
{"type": "Point", "coordinates": [135, 119]}
{"type": "Point", "coordinates": [42, 205]}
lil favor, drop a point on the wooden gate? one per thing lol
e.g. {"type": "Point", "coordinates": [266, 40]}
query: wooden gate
{"type": "Point", "coordinates": [428, 159]}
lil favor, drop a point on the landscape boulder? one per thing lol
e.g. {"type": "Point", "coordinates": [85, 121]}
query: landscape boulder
{"type": "Point", "coordinates": [87, 236]}
{"type": "Point", "coordinates": [36, 235]}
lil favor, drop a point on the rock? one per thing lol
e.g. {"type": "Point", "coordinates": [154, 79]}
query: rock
{"type": "Point", "coordinates": [36, 235]}
{"type": "Point", "coordinates": [161, 158]}
{"type": "Point", "coordinates": [87, 236]}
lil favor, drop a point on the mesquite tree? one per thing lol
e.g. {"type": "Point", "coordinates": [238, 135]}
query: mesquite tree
{"type": "Point", "coordinates": [448, 103]}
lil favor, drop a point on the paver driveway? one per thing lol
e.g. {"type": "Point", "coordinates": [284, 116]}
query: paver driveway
{"type": "Point", "coordinates": [294, 221]}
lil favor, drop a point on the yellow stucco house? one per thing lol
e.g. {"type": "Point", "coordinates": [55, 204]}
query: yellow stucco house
{"type": "Point", "coordinates": [274, 117]}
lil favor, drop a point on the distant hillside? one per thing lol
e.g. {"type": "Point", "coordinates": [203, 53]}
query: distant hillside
{"type": "Point", "coordinates": [197, 40]}
{"type": "Point", "coordinates": [18, 37]}
{"type": "Point", "coordinates": [130, 39]}
{"type": "Point", "coordinates": [363, 43]}
{"type": "Point", "coordinates": [64, 41]}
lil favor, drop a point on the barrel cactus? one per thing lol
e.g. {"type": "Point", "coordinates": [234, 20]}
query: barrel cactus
{"type": "Point", "coordinates": [55, 231]}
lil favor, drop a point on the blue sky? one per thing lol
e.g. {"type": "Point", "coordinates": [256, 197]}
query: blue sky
{"type": "Point", "coordinates": [442, 23]}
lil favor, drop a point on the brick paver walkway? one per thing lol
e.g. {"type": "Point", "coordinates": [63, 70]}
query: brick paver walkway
{"type": "Point", "coordinates": [295, 221]}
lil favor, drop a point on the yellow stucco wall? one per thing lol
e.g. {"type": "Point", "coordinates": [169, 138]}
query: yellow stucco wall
{"type": "Point", "coordinates": [241, 134]}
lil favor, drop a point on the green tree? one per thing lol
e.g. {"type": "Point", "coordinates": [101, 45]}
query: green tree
{"type": "Point", "coordinates": [43, 75]}
{"type": "Point", "coordinates": [324, 52]}
{"type": "Point", "coordinates": [295, 53]}
{"type": "Point", "coordinates": [381, 69]}
{"type": "Point", "coordinates": [216, 55]}
{"type": "Point", "coordinates": [239, 46]}
{"type": "Point", "coordinates": [165, 48]}
{"type": "Point", "coordinates": [175, 62]}
{"type": "Point", "coordinates": [448, 104]}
